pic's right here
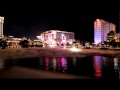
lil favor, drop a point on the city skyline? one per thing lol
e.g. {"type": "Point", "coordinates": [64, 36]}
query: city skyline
{"type": "Point", "coordinates": [30, 22]}
{"type": "Point", "coordinates": [60, 40]}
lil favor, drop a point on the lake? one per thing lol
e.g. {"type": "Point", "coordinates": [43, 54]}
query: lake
{"type": "Point", "coordinates": [98, 67]}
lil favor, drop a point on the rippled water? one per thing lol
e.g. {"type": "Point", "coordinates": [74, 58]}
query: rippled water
{"type": "Point", "coordinates": [92, 66]}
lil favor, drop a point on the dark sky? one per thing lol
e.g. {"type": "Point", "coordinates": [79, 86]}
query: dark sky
{"type": "Point", "coordinates": [29, 20]}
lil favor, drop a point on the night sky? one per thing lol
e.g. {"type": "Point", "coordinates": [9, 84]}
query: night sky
{"type": "Point", "coordinates": [29, 20]}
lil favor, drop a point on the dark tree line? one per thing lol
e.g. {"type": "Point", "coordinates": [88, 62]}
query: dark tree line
{"type": "Point", "coordinates": [24, 43]}
{"type": "Point", "coordinates": [3, 44]}
{"type": "Point", "coordinates": [111, 39]}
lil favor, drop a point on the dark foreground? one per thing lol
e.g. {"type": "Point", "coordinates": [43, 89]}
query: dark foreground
{"type": "Point", "coordinates": [17, 72]}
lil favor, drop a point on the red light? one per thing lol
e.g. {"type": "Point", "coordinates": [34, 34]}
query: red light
{"type": "Point", "coordinates": [47, 63]}
{"type": "Point", "coordinates": [97, 69]}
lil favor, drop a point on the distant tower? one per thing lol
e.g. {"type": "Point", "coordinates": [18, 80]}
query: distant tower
{"type": "Point", "coordinates": [119, 21]}
{"type": "Point", "coordinates": [1, 26]}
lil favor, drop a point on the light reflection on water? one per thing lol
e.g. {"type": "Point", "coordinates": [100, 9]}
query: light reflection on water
{"type": "Point", "coordinates": [116, 67]}
{"type": "Point", "coordinates": [98, 66]}
{"type": "Point", "coordinates": [92, 66]}
{"type": "Point", "coordinates": [2, 63]}
{"type": "Point", "coordinates": [6, 63]}
{"type": "Point", "coordinates": [64, 63]}
{"type": "Point", "coordinates": [46, 63]}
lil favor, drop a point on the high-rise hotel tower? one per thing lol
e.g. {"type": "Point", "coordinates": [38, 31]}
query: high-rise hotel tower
{"type": "Point", "coordinates": [101, 29]}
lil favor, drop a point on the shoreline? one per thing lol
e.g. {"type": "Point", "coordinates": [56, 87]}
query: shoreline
{"type": "Point", "coordinates": [16, 53]}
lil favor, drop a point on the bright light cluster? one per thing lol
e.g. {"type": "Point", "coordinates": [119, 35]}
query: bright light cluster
{"type": "Point", "coordinates": [74, 49]}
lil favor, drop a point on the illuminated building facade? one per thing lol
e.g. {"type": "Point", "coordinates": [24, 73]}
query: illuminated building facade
{"type": "Point", "coordinates": [13, 42]}
{"type": "Point", "coordinates": [1, 26]}
{"type": "Point", "coordinates": [54, 37]}
{"type": "Point", "coordinates": [101, 29]}
{"type": "Point", "coordinates": [117, 37]}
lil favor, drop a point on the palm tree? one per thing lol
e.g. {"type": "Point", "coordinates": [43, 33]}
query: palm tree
{"type": "Point", "coordinates": [24, 43]}
{"type": "Point", "coordinates": [110, 38]}
{"type": "Point", "coordinates": [3, 43]}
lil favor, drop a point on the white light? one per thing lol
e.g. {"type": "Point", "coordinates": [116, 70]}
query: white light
{"type": "Point", "coordinates": [74, 49]}
{"type": "Point", "coordinates": [64, 47]}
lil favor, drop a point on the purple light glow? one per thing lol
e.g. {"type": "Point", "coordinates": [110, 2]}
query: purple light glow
{"type": "Point", "coordinates": [64, 63]}
{"type": "Point", "coordinates": [97, 31]}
